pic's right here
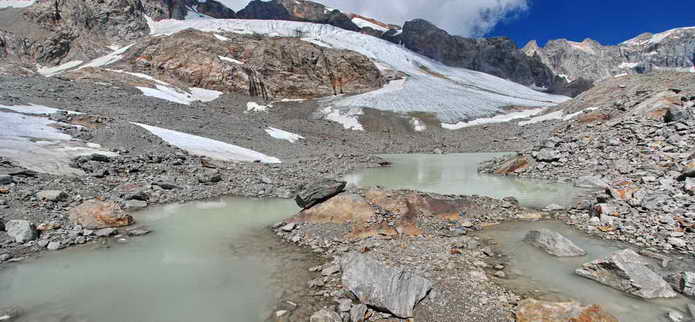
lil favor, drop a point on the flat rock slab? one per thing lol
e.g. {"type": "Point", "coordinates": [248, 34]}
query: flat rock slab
{"type": "Point", "coordinates": [317, 192]}
{"type": "Point", "coordinates": [627, 271]}
{"type": "Point", "coordinates": [553, 243]}
{"type": "Point", "coordinates": [384, 288]}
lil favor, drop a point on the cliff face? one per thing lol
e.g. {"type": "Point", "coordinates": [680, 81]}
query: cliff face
{"type": "Point", "coordinates": [672, 50]}
{"type": "Point", "coordinates": [496, 56]}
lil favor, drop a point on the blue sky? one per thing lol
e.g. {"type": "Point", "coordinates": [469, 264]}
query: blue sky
{"type": "Point", "coordinates": [607, 21]}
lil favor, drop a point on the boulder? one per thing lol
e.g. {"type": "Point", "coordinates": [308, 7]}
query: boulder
{"type": "Point", "coordinates": [325, 316]}
{"type": "Point", "coordinates": [531, 310]}
{"type": "Point", "coordinates": [94, 214]}
{"type": "Point", "coordinates": [683, 282]}
{"type": "Point", "coordinates": [21, 230]}
{"type": "Point", "coordinates": [689, 186]}
{"type": "Point", "coordinates": [553, 243]}
{"type": "Point", "coordinates": [6, 179]}
{"type": "Point", "coordinates": [548, 155]}
{"type": "Point", "coordinates": [358, 313]}
{"type": "Point", "coordinates": [384, 288]}
{"type": "Point", "coordinates": [627, 271]}
{"type": "Point", "coordinates": [688, 172]}
{"type": "Point", "coordinates": [317, 192]}
{"type": "Point", "coordinates": [514, 165]}
{"type": "Point", "coordinates": [52, 195]}
{"type": "Point", "coordinates": [676, 114]}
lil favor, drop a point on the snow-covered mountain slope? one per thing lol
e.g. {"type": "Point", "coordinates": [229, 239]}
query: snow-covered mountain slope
{"type": "Point", "coordinates": [452, 93]}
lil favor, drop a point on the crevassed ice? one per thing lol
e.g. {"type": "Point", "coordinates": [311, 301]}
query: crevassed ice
{"type": "Point", "coordinates": [452, 93]}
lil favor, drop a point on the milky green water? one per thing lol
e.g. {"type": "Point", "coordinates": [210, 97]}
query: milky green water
{"type": "Point", "coordinates": [554, 277]}
{"type": "Point", "coordinates": [218, 261]}
{"type": "Point", "coordinates": [458, 174]}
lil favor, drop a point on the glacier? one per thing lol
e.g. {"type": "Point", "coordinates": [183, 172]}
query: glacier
{"type": "Point", "coordinates": [453, 94]}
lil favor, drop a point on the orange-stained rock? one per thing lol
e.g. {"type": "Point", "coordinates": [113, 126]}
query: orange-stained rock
{"type": "Point", "coordinates": [514, 165]}
{"type": "Point", "coordinates": [94, 214]}
{"type": "Point", "coordinates": [530, 310]}
{"type": "Point", "coordinates": [344, 208]}
{"type": "Point", "coordinates": [593, 117]}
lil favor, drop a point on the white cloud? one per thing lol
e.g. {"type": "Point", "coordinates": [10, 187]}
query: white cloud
{"type": "Point", "coordinates": [462, 17]}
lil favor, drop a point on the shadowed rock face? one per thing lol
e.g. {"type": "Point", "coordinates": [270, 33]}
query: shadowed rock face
{"type": "Point", "coordinates": [496, 56]}
{"type": "Point", "coordinates": [671, 50]}
{"type": "Point", "coordinates": [256, 66]}
{"type": "Point", "coordinates": [293, 10]}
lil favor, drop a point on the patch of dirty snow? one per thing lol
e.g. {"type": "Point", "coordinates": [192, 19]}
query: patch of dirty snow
{"type": "Point", "coordinates": [202, 146]}
{"type": "Point", "coordinates": [34, 143]}
{"type": "Point", "coordinates": [140, 75]}
{"type": "Point", "coordinates": [168, 94]}
{"type": "Point", "coordinates": [495, 119]}
{"type": "Point", "coordinates": [16, 3]}
{"type": "Point", "coordinates": [52, 71]}
{"type": "Point", "coordinates": [628, 65]}
{"type": "Point", "coordinates": [283, 135]}
{"type": "Point", "coordinates": [109, 59]}
{"type": "Point", "coordinates": [362, 23]}
{"type": "Point", "coordinates": [348, 118]}
{"type": "Point", "coordinates": [220, 37]}
{"type": "Point", "coordinates": [34, 109]}
{"type": "Point", "coordinates": [204, 95]}
{"type": "Point", "coordinates": [254, 107]}
{"type": "Point", "coordinates": [417, 124]}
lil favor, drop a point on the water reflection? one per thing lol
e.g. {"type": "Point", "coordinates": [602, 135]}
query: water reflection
{"type": "Point", "coordinates": [458, 174]}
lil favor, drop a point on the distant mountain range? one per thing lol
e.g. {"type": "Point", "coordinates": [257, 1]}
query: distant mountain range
{"type": "Point", "coordinates": [51, 35]}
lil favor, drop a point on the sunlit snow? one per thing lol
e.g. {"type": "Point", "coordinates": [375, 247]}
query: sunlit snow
{"type": "Point", "coordinates": [349, 118]}
{"type": "Point", "coordinates": [417, 125]}
{"type": "Point", "coordinates": [34, 109]}
{"type": "Point", "coordinates": [202, 146]}
{"type": "Point", "coordinates": [52, 71]}
{"type": "Point", "coordinates": [34, 143]}
{"type": "Point", "coordinates": [174, 95]}
{"type": "Point", "coordinates": [495, 119]}
{"type": "Point", "coordinates": [16, 3]}
{"type": "Point", "coordinates": [365, 23]}
{"type": "Point", "coordinates": [283, 135]}
{"type": "Point", "coordinates": [452, 93]}
{"type": "Point", "coordinates": [108, 59]}
{"type": "Point", "coordinates": [231, 60]}
{"type": "Point", "coordinates": [255, 107]}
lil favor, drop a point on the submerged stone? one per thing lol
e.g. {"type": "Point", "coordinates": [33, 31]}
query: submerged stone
{"type": "Point", "coordinates": [553, 243]}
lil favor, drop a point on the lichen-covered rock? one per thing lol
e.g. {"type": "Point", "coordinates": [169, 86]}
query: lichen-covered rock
{"type": "Point", "coordinates": [394, 290]}
{"type": "Point", "coordinates": [21, 231]}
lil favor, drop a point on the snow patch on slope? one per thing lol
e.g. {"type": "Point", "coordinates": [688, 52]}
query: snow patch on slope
{"type": "Point", "coordinates": [417, 124]}
{"type": "Point", "coordinates": [253, 107]}
{"type": "Point", "coordinates": [16, 3]}
{"type": "Point", "coordinates": [34, 109]}
{"type": "Point", "coordinates": [34, 143]}
{"type": "Point", "coordinates": [364, 24]}
{"type": "Point", "coordinates": [283, 135]}
{"type": "Point", "coordinates": [495, 119]}
{"type": "Point", "coordinates": [174, 95]}
{"type": "Point", "coordinates": [52, 71]}
{"type": "Point", "coordinates": [452, 93]}
{"type": "Point", "coordinates": [109, 59]}
{"type": "Point", "coordinates": [231, 60]}
{"type": "Point", "coordinates": [202, 146]}
{"type": "Point", "coordinates": [349, 118]}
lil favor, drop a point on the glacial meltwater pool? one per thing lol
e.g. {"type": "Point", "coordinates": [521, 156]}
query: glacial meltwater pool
{"type": "Point", "coordinates": [458, 174]}
{"type": "Point", "coordinates": [218, 261]}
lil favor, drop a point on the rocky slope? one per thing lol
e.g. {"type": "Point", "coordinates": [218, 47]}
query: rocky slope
{"type": "Point", "coordinates": [496, 56]}
{"type": "Point", "coordinates": [672, 50]}
{"type": "Point", "coordinates": [633, 142]}
{"type": "Point", "coordinates": [307, 11]}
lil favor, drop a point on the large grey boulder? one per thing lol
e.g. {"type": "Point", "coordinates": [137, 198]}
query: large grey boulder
{"type": "Point", "coordinates": [325, 316]}
{"type": "Point", "coordinates": [318, 192]}
{"type": "Point", "coordinates": [553, 243]}
{"type": "Point", "coordinates": [384, 288]}
{"type": "Point", "coordinates": [6, 179]}
{"type": "Point", "coordinates": [52, 195]}
{"type": "Point", "coordinates": [627, 271]}
{"type": "Point", "coordinates": [21, 230]}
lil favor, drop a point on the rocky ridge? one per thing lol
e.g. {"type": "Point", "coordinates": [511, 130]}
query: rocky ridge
{"type": "Point", "coordinates": [672, 50]}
